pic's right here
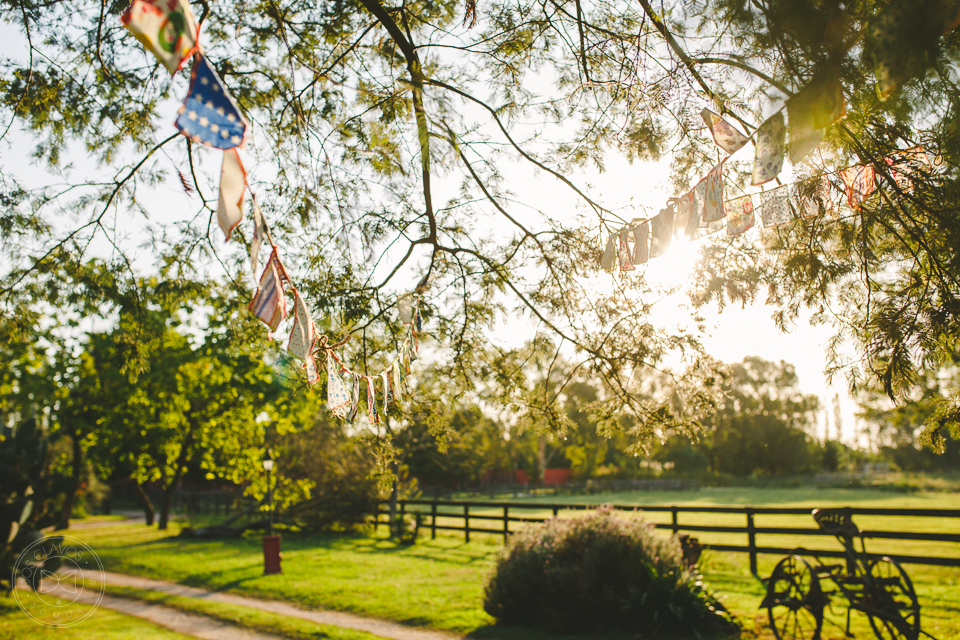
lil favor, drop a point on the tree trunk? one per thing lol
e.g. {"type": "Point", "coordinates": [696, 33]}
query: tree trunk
{"type": "Point", "coordinates": [167, 500]}
{"type": "Point", "coordinates": [75, 480]}
{"type": "Point", "coordinates": [144, 499]}
{"type": "Point", "coordinates": [394, 495]}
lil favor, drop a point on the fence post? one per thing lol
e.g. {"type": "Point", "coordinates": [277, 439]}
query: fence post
{"type": "Point", "coordinates": [466, 523]}
{"type": "Point", "coordinates": [673, 520]}
{"type": "Point", "coordinates": [751, 540]}
{"type": "Point", "coordinates": [506, 523]}
{"type": "Point", "coordinates": [433, 515]}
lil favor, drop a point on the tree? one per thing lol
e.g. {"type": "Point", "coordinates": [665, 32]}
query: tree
{"type": "Point", "coordinates": [367, 106]}
{"type": "Point", "coordinates": [765, 424]}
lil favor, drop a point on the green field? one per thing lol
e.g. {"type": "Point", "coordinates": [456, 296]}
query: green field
{"type": "Point", "coordinates": [438, 583]}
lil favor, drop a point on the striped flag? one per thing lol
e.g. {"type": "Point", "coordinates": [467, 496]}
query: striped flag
{"type": "Point", "coordinates": [166, 28]}
{"type": "Point", "coordinates": [269, 304]}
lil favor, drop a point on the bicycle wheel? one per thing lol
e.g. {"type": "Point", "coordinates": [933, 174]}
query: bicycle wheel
{"type": "Point", "coordinates": [794, 600]}
{"type": "Point", "coordinates": [894, 612]}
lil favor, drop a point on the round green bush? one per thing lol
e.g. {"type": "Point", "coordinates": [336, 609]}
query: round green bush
{"type": "Point", "coordinates": [601, 571]}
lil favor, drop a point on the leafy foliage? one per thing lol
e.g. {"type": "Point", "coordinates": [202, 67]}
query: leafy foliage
{"type": "Point", "coordinates": [601, 571]}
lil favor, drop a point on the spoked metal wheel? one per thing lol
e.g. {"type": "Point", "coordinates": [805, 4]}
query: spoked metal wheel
{"type": "Point", "coordinates": [893, 610]}
{"type": "Point", "coordinates": [794, 600]}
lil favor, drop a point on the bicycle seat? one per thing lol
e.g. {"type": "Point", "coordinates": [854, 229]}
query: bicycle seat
{"type": "Point", "coordinates": [836, 522]}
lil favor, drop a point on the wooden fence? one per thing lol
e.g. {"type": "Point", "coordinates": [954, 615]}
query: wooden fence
{"type": "Point", "coordinates": [504, 513]}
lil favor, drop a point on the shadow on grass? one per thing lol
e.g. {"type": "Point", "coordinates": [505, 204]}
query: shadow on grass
{"type": "Point", "coordinates": [516, 632]}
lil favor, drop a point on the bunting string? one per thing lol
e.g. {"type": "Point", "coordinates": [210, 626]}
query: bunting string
{"type": "Point", "coordinates": [210, 116]}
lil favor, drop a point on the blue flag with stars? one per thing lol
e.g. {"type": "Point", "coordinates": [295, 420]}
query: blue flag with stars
{"type": "Point", "coordinates": [209, 115]}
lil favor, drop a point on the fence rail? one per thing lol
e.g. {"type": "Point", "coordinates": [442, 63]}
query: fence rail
{"type": "Point", "coordinates": [461, 510]}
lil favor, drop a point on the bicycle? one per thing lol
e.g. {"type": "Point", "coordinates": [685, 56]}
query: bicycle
{"type": "Point", "coordinates": [878, 587]}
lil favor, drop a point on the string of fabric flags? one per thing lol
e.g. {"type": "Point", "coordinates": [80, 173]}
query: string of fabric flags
{"type": "Point", "coordinates": [703, 211]}
{"type": "Point", "coordinates": [900, 53]}
{"type": "Point", "coordinates": [210, 116]}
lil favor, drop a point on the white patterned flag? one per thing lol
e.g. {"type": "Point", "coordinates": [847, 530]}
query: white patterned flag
{"type": "Point", "coordinates": [233, 182]}
{"type": "Point", "coordinates": [641, 243]}
{"type": "Point", "coordinates": [269, 304]}
{"type": "Point", "coordinates": [338, 396]}
{"type": "Point", "coordinates": [769, 158]}
{"type": "Point", "coordinates": [302, 336]}
{"type": "Point", "coordinates": [740, 216]}
{"type": "Point", "coordinates": [166, 28]}
{"type": "Point", "coordinates": [711, 209]}
{"type": "Point", "coordinates": [775, 207]}
{"type": "Point", "coordinates": [387, 391]}
{"type": "Point", "coordinates": [724, 134]}
{"type": "Point", "coordinates": [209, 115]}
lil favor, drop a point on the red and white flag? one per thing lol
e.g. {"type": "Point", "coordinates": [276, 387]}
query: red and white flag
{"type": "Point", "coordinates": [269, 304]}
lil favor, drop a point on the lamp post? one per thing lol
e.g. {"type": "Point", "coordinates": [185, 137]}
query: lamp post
{"type": "Point", "coordinates": [271, 542]}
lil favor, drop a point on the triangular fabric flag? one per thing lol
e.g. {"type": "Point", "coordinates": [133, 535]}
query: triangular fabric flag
{"type": "Point", "coordinates": [209, 115]}
{"type": "Point", "coordinates": [405, 355]}
{"type": "Point", "coordinates": [338, 396]}
{"type": "Point", "coordinates": [860, 183]}
{"type": "Point", "coordinates": [626, 258]}
{"type": "Point", "coordinates": [811, 110]}
{"type": "Point", "coordinates": [233, 182]}
{"type": "Point", "coordinates": [724, 134]}
{"type": "Point", "coordinates": [313, 375]}
{"type": "Point", "coordinates": [372, 414]}
{"type": "Point", "coordinates": [260, 233]}
{"type": "Point", "coordinates": [740, 216]}
{"type": "Point", "coordinates": [353, 380]}
{"type": "Point", "coordinates": [302, 336]}
{"type": "Point", "coordinates": [907, 166]}
{"type": "Point", "coordinates": [769, 158]}
{"type": "Point", "coordinates": [405, 307]}
{"type": "Point", "coordinates": [274, 259]}
{"type": "Point", "coordinates": [396, 379]}
{"type": "Point", "coordinates": [387, 390]}
{"type": "Point", "coordinates": [268, 304]}
{"type": "Point", "coordinates": [609, 259]}
{"type": "Point", "coordinates": [712, 205]}
{"type": "Point", "coordinates": [775, 207]}
{"type": "Point", "coordinates": [166, 28]}
{"type": "Point", "coordinates": [641, 243]}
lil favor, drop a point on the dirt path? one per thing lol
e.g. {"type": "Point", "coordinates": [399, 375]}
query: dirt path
{"type": "Point", "coordinates": [381, 628]}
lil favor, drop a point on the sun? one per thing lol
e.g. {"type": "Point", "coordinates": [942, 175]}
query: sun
{"type": "Point", "coordinates": [674, 268]}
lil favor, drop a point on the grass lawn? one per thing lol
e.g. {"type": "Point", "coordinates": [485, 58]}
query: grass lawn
{"type": "Point", "coordinates": [102, 624]}
{"type": "Point", "coordinates": [439, 583]}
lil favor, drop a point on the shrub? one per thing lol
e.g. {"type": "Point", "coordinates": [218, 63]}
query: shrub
{"type": "Point", "coordinates": [601, 572]}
